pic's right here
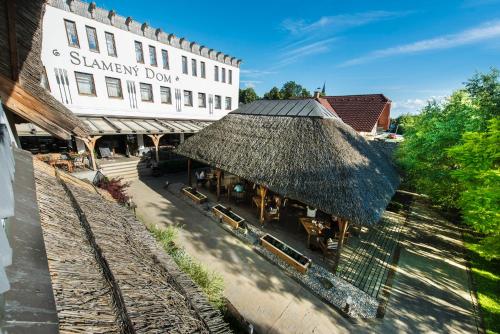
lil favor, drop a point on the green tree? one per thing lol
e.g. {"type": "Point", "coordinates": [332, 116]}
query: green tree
{"type": "Point", "coordinates": [423, 154]}
{"type": "Point", "coordinates": [273, 94]}
{"type": "Point", "coordinates": [403, 122]}
{"type": "Point", "coordinates": [291, 89]}
{"type": "Point", "coordinates": [248, 95]}
{"type": "Point", "coordinates": [477, 170]}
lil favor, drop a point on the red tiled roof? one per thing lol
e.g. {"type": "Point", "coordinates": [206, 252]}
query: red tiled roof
{"type": "Point", "coordinates": [361, 112]}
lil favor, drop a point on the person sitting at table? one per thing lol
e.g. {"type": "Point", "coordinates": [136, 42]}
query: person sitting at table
{"type": "Point", "coordinates": [311, 212]}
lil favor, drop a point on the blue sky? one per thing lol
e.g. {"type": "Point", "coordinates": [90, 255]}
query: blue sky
{"type": "Point", "coordinates": [411, 51]}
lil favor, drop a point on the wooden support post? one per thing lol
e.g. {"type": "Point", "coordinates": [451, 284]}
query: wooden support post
{"type": "Point", "coordinates": [343, 225]}
{"type": "Point", "coordinates": [262, 193]}
{"type": "Point", "coordinates": [218, 175]}
{"type": "Point", "coordinates": [90, 144]}
{"type": "Point", "coordinates": [156, 142]}
{"type": "Point", "coordinates": [189, 172]}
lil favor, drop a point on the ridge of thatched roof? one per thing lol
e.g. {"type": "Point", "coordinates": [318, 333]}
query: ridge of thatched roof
{"type": "Point", "coordinates": [320, 161]}
{"type": "Point", "coordinates": [21, 71]}
{"type": "Point", "coordinates": [138, 282]}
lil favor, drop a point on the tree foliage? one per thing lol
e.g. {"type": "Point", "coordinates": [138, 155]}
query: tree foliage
{"type": "Point", "coordinates": [289, 90]}
{"type": "Point", "coordinates": [248, 95]}
{"type": "Point", "coordinates": [478, 172]}
{"type": "Point", "coordinates": [450, 153]}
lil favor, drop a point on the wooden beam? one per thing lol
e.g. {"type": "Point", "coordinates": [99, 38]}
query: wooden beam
{"type": "Point", "coordinates": [156, 141]}
{"type": "Point", "coordinates": [28, 107]}
{"type": "Point", "coordinates": [218, 175]}
{"type": "Point", "coordinates": [263, 193]}
{"type": "Point", "coordinates": [343, 225]}
{"type": "Point", "coordinates": [90, 144]}
{"type": "Point", "coordinates": [11, 22]}
{"type": "Point", "coordinates": [189, 172]}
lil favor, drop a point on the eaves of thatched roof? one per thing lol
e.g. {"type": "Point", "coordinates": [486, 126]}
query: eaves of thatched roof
{"type": "Point", "coordinates": [21, 71]}
{"type": "Point", "coordinates": [108, 272]}
{"type": "Point", "coordinates": [298, 149]}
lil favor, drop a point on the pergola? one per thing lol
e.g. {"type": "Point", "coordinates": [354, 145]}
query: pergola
{"type": "Point", "coordinates": [155, 128]}
{"type": "Point", "coordinates": [302, 151]}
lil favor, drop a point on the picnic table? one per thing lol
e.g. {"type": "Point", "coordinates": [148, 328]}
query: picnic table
{"type": "Point", "coordinates": [314, 227]}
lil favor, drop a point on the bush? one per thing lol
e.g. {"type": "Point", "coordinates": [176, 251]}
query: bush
{"type": "Point", "coordinates": [116, 188]}
{"type": "Point", "coordinates": [211, 283]}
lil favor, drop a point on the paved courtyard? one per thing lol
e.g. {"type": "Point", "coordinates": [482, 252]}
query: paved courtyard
{"type": "Point", "coordinates": [430, 290]}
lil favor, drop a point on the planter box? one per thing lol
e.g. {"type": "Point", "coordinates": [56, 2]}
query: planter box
{"type": "Point", "coordinates": [194, 195]}
{"type": "Point", "coordinates": [286, 253]}
{"type": "Point", "coordinates": [227, 216]}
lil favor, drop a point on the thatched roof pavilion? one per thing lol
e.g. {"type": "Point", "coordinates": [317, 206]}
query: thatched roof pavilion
{"type": "Point", "coordinates": [301, 150]}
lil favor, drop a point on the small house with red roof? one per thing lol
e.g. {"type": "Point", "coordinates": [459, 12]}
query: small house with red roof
{"type": "Point", "coordinates": [367, 114]}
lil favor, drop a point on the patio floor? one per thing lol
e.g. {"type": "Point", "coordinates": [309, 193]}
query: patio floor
{"type": "Point", "coordinates": [365, 259]}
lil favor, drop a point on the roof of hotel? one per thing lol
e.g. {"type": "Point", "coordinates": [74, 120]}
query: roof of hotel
{"type": "Point", "coordinates": [109, 17]}
{"type": "Point", "coordinates": [316, 159]}
{"type": "Point", "coordinates": [108, 272]}
{"type": "Point", "coordinates": [361, 112]}
{"type": "Point", "coordinates": [21, 72]}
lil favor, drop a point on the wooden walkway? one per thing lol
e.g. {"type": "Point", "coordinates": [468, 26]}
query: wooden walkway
{"type": "Point", "coordinates": [369, 261]}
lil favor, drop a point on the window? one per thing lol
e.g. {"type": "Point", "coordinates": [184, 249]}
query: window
{"type": "Point", "coordinates": [217, 102]}
{"type": "Point", "coordinates": [202, 100]}
{"type": "Point", "coordinates": [188, 98]}
{"type": "Point", "coordinates": [110, 44]}
{"type": "Point", "coordinates": [114, 87]}
{"type": "Point", "coordinates": [216, 73]}
{"type": "Point", "coordinates": [164, 58]}
{"type": "Point", "coordinates": [139, 56]}
{"type": "Point", "coordinates": [166, 95]}
{"type": "Point", "coordinates": [228, 103]}
{"type": "Point", "coordinates": [152, 56]}
{"type": "Point", "coordinates": [85, 83]}
{"type": "Point", "coordinates": [71, 33]}
{"type": "Point", "coordinates": [202, 69]}
{"type": "Point", "coordinates": [184, 65]}
{"type": "Point", "coordinates": [194, 71]}
{"type": "Point", "coordinates": [146, 92]}
{"type": "Point", "coordinates": [223, 75]}
{"type": "Point", "coordinates": [230, 78]}
{"type": "Point", "coordinates": [44, 82]}
{"type": "Point", "coordinates": [92, 38]}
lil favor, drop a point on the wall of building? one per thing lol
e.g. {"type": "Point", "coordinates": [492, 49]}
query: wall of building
{"type": "Point", "coordinates": [384, 121]}
{"type": "Point", "coordinates": [57, 55]}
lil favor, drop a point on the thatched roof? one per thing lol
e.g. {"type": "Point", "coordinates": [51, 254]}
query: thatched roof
{"type": "Point", "coordinates": [108, 272]}
{"type": "Point", "coordinates": [298, 149]}
{"type": "Point", "coordinates": [21, 71]}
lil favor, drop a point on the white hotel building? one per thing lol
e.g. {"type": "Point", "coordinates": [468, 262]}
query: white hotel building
{"type": "Point", "coordinates": [127, 80]}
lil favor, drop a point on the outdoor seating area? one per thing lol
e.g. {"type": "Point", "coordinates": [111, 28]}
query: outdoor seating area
{"type": "Point", "coordinates": [308, 229]}
{"type": "Point", "coordinates": [65, 161]}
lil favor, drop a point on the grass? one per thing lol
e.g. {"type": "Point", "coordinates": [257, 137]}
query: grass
{"type": "Point", "coordinates": [486, 277]}
{"type": "Point", "coordinates": [210, 282]}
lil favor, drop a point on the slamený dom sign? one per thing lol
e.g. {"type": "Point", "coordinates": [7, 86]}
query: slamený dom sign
{"type": "Point", "coordinates": [109, 66]}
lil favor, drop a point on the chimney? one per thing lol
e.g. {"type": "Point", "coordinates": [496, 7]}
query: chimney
{"type": "Point", "coordinates": [317, 94]}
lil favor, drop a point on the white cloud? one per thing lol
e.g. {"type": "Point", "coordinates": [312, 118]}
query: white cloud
{"type": "Point", "coordinates": [250, 83]}
{"type": "Point", "coordinates": [342, 21]}
{"type": "Point", "coordinates": [413, 106]}
{"type": "Point", "coordinates": [292, 55]}
{"type": "Point", "coordinates": [484, 32]}
{"type": "Point", "coordinates": [255, 73]}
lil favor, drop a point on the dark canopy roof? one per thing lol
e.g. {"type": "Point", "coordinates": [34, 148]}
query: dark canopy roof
{"type": "Point", "coordinates": [318, 160]}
